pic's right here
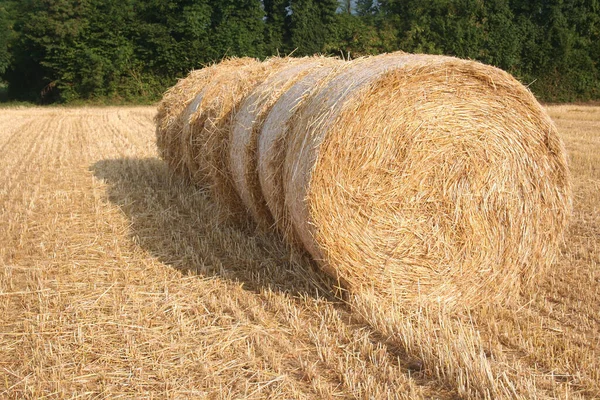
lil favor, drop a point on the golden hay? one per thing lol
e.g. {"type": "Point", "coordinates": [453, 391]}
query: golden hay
{"type": "Point", "coordinates": [212, 122]}
{"type": "Point", "coordinates": [247, 126]}
{"type": "Point", "coordinates": [418, 177]}
{"type": "Point", "coordinates": [192, 136]}
{"type": "Point", "coordinates": [187, 137]}
{"type": "Point", "coordinates": [427, 177]}
{"type": "Point", "coordinates": [116, 281]}
{"type": "Point", "coordinates": [272, 142]}
{"type": "Point", "coordinates": [169, 117]}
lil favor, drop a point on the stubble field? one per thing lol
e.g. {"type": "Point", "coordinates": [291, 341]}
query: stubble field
{"type": "Point", "coordinates": [117, 280]}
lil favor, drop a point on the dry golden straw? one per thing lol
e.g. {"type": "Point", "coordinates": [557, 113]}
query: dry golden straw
{"type": "Point", "coordinates": [272, 141]}
{"type": "Point", "coordinates": [415, 177]}
{"type": "Point", "coordinates": [169, 119]}
{"type": "Point", "coordinates": [210, 126]}
{"type": "Point", "coordinates": [427, 177]}
{"type": "Point", "coordinates": [118, 281]}
{"type": "Point", "coordinates": [197, 123]}
{"type": "Point", "coordinates": [247, 126]}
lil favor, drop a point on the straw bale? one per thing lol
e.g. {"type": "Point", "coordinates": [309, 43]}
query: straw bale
{"type": "Point", "coordinates": [247, 125]}
{"type": "Point", "coordinates": [294, 158]}
{"type": "Point", "coordinates": [169, 117]}
{"type": "Point", "coordinates": [192, 135]}
{"type": "Point", "coordinates": [427, 178]}
{"type": "Point", "coordinates": [212, 123]}
{"type": "Point", "coordinates": [187, 139]}
{"type": "Point", "coordinates": [272, 141]}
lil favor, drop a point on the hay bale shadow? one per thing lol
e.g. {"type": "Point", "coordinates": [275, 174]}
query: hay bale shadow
{"type": "Point", "coordinates": [182, 226]}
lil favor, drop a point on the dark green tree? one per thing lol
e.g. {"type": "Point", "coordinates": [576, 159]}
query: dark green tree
{"type": "Point", "coordinates": [6, 34]}
{"type": "Point", "coordinates": [277, 22]}
{"type": "Point", "coordinates": [559, 52]}
{"type": "Point", "coordinates": [352, 35]}
{"type": "Point", "coordinates": [112, 49]}
{"type": "Point", "coordinates": [366, 8]}
{"type": "Point", "coordinates": [345, 7]}
{"type": "Point", "coordinates": [311, 24]}
{"type": "Point", "coordinates": [47, 33]}
{"type": "Point", "coordinates": [502, 43]}
{"type": "Point", "coordinates": [100, 66]}
{"type": "Point", "coordinates": [573, 34]}
{"type": "Point", "coordinates": [453, 27]}
{"type": "Point", "coordinates": [170, 38]}
{"type": "Point", "coordinates": [237, 28]}
{"type": "Point", "coordinates": [65, 50]}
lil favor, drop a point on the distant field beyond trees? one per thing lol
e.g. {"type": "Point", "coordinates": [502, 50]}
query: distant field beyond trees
{"type": "Point", "coordinates": [132, 50]}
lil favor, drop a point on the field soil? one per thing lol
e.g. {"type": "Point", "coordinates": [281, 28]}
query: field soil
{"type": "Point", "coordinates": [119, 280]}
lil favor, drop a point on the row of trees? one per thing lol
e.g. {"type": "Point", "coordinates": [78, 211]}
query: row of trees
{"type": "Point", "coordinates": [131, 50]}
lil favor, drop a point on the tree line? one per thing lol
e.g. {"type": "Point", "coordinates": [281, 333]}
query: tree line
{"type": "Point", "coordinates": [132, 50]}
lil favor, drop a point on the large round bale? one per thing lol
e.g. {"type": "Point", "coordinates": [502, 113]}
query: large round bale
{"type": "Point", "coordinates": [427, 178]}
{"type": "Point", "coordinates": [192, 138]}
{"type": "Point", "coordinates": [211, 124]}
{"type": "Point", "coordinates": [247, 125]}
{"type": "Point", "coordinates": [272, 141]}
{"type": "Point", "coordinates": [169, 118]}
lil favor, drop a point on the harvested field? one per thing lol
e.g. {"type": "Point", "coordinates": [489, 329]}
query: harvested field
{"type": "Point", "coordinates": [117, 279]}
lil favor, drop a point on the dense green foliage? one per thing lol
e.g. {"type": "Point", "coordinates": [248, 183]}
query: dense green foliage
{"type": "Point", "coordinates": [5, 36]}
{"type": "Point", "coordinates": [131, 50]}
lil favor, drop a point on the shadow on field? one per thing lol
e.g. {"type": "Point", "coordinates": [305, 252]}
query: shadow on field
{"type": "Point", "coordinates": [180, 225]}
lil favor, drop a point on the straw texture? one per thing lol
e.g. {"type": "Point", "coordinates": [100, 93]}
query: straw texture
{"type": "Point", "coordinates": [272, 141]}
{"type": "Point", "coordinates": [211, 124]}
{"type": "Point", "coordinates": [170, 116]}
{"type": "Point", "coordinates": [247, 127]}
{"type": "Point", "coordinates": [415, 177]}
{"type": "Point", "coordinates": [427, 177]}
{"type": "Point", "coordinates": [208, 111]}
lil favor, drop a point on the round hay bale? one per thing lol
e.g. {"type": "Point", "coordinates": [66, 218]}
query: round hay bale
{"type": "Point", "coordinates": [427, 178]}
{"type": "Point", "coordinates": [247, 125]}
{"type": "Point", "coordinates": [212, 123]}
{"type": "Point", "coordinates": [272, 140]}
{"type": "Point", "coordinates": [169, 117]}
{"type": "Point", "coordinates": [193, 137]}
{"type": "Point", "coordinates": [186, 139]}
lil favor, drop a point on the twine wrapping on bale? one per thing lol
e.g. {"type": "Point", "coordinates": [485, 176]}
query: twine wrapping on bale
{"type": "Point", "coordinates": [427, 177]}
{"type": "Point", "coordinates": [247, 127]}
